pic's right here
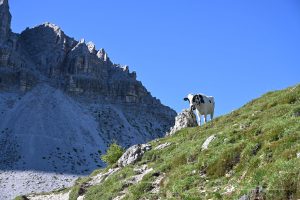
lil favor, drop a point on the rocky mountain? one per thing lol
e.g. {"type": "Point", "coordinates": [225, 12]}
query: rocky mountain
{"type": "Point", "coordinates": [252, 153]}
{"type": "Point", "coordinates": [62, 102]}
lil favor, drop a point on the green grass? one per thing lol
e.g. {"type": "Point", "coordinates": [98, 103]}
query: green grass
{"type": "Point", "coordinates": [111, 186]}
{"type": "Point", "coordinates": [255, 145]}
{"type": "Point", "coordinates": [58, 191]}
{"type": "Point", "coordinates": [78, 188]}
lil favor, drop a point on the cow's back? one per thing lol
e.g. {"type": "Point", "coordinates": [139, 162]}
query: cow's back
{"type": "Point", "coordinates": [208, 106]}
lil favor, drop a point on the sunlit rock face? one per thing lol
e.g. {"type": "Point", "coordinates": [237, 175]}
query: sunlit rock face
{"type": "Point", "coordinates": [183, 120]}
{"type": "Point", "coordinates": [62, 102]}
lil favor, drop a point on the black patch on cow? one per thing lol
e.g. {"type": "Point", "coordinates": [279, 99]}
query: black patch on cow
{"type": "Point", "coordinates": [201, 98]}
{"type": "Point", "coordinates": [198, 99]}
{"type": "Point", "coordinates": [186, 99]}
{"type": "Point", "coordinates": [209, 101]}
{"type": "Point", "coordinates": [195, 99]}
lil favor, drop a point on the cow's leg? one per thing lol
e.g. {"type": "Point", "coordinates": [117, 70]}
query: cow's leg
{"type": "Point", "coordinates": [205, 118]}
{"type": "Point", "coordinates": [199, 123]}
{"type": "Point", "coordinates": [199, 117]}
{"type": "Point", "coordinates": [212, 116]}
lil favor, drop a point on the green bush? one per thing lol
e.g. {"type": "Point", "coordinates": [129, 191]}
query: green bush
{"type": "Point", "coordinates": [113, 153]}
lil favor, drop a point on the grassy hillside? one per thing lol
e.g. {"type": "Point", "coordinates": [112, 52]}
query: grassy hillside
{"type": "Point", "coordinates": [255, 146]}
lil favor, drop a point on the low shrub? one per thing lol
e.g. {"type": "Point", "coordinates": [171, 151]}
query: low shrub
{"type": "Point", "coordinates": [113, 153]}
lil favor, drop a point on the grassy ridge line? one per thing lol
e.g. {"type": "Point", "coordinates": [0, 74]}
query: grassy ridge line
{"type": "Point", "coordinates": [256, 145]}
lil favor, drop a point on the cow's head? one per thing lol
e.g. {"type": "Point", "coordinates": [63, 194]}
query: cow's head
{"type": "Point", "coordinates": [191, 99]}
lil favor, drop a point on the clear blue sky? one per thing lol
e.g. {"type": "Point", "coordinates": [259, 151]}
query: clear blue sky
{"type": "Point", "coordinates": [234, 50]}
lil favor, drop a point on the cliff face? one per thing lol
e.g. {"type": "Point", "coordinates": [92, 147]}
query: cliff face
{"type": "Point", "coordinates": [5, 17]}
{"type": "Point", "coordinates": [62, 102]}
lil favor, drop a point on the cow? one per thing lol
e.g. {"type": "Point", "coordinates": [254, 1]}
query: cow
{"type": "Point", "coordinates": [204, 105]}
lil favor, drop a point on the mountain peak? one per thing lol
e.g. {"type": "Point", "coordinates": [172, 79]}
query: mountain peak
{"type": "Point", "coordinates": [102, 55]}
{"type": "Point", "coordinates": [5, 22]}
{"type": "Point", "coordinates": [4, 3]}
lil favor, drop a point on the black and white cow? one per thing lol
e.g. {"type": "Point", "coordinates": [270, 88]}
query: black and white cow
{"type": "Point", "coordinates": [204, 105]}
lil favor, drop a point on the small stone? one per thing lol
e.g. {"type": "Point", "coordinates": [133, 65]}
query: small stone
{"type": "Point", "coordinates": [297, 113]}
{"type": "Point", "coordinates": [256, 149]}
{"type": "Point", "coordinates": [244, 197]}
{"type": "Point", "coordinates": [208, 141]}
{"type": "Point", "coordinates": [229, 174]}
{"type": "Point", "coordinates": [229, 189]}
{"type": "Point", "coordinates": [242, 126]}
{"type": "Point", "coordinates": [162, 146]}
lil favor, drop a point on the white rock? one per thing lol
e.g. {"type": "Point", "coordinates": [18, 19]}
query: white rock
{"type": "Point", "coordinates": [244, 197]}
{"type": "Point", "coordinates": [133, 154]}
{"type": "Point", "coordinates": [80, 198]}
{"type": "Point", "coordinates": [99, 178]}
{"type": "Point", "coordinates": [229, 189]}
{"type": "Point", "coordinates": [183, 120]}
{"type": "Point", "coordinates": [157, 183]}
{"type": "Point", "coordinates": [59, 196]}
{"type": "Point", "coordinates": [82, 41]}
{"type": "Point", "coordinates": [142, 171]}
{"type": "Point", "coordinates": [208, 141]}
{"type": "Point", "coordinates": [92, 48]}
{"type": "Point", "coordinates": [162, 146]}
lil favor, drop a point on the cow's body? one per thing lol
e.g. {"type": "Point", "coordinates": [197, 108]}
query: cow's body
{"type": "Point", "coordinates": [204, 105]}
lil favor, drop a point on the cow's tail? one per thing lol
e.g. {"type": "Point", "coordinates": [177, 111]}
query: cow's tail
{"type": "Point", "coordinates": [213, 100]}
{"type": "Point", "coordinates": [213, 108]}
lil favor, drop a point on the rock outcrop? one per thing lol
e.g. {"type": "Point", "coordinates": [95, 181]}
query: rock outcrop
{"type": "Point", "coordinates": [183, 120]}
{"type": "Point", "coordinates": [62, 102]}
{"type": "Point", "coordinates": [5, 22]}
{"type": "Point", "coordinates": [133, 154]}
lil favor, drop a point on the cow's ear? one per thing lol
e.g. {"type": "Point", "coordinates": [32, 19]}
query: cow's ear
{"type": "Point", "coordinates": [185, 99]}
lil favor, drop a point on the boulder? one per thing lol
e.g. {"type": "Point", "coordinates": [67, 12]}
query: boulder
{"type": "Point", "coordinates": [183, 120]}
{"type": "Point", "coordinates": [133, 154]}
{"type": "Point", "coordinates": [244, 197]}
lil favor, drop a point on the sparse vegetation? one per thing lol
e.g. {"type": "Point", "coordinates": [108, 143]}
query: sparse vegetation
{"type": "Point", "coordinates": [114, 152]}
{"type": "Point", "coordinates": [111, 186]}
{"type": "Point", "coordinates": [78, 188]}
